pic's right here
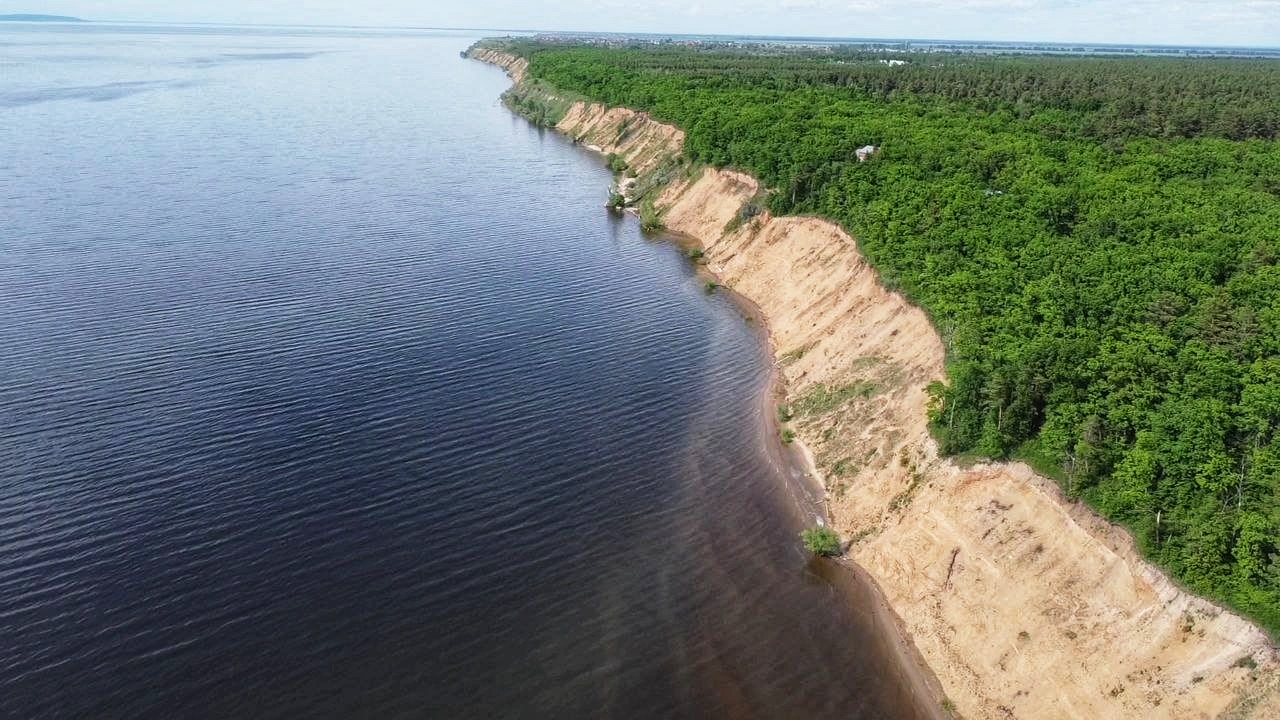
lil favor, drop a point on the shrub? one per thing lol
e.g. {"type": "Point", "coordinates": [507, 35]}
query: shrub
{"type": "Point", "coordinates": [650, 221]}
{"type": "Point", "coordinates": [1247, 662]}
{"type": "Point", "coordinates": [821, 541]}
{"type": "Point", "coordinates": [745, 214]}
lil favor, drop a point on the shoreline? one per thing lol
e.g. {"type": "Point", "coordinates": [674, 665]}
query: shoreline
{"type": "Point", "coordinates": [803, 481]}
{"type": "Point", "coordinates": [803, 478]}
{"type": "Point", "coordinates": [1104, 620]}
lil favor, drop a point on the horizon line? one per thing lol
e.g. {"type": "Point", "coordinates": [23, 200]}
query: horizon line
{"type": "Point", "coordinates": [669, 35]}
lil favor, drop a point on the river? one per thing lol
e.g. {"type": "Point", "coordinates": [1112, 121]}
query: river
{"type": "Point", "coordinates": [330, 389]}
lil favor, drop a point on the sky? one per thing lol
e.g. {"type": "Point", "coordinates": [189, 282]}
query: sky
{"type": "Point", "coordinates": [1183, 22]}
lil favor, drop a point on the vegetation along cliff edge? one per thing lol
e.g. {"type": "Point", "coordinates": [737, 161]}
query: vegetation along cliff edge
{"type": "Point", "coordinates": [1070, 262]}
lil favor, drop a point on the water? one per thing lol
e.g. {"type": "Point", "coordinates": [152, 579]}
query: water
{"type": "Point", "coordinates": [329, 389]}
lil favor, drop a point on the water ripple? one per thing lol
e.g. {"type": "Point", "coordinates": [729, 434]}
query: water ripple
{"type": "Point", "coordinates": [329, 390]}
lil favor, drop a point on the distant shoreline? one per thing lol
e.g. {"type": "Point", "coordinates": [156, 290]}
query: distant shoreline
{"type": "Point", "coordinates": [27, 17]}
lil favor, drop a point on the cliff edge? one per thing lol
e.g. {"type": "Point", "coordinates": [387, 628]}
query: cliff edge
{"type": "Point", "coordinates": [1023, 603]}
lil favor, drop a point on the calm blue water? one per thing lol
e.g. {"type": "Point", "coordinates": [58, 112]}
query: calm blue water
{"type": "Point", "coordinates": [329, 389]}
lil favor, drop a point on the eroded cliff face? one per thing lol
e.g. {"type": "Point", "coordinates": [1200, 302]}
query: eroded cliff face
{"type": "Point", "coordinates": [1024, 604]}
{"type": "Point", "coordinates": [635, 137]}
{"type": "Point", "coordinates": [516, 67]}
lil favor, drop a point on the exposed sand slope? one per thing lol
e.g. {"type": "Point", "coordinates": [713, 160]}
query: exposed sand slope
{"type": "Point", "coordinates": [1024, 604]}
{"type": "Point", "coordinates": [516, 67]}
{"type": "Point", "coordinates": [634, 136]}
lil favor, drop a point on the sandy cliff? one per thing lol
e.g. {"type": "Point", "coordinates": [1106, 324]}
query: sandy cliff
{"type": "Point", "coordinates": [516, 67]}
{"type": "Point", "coordinates": [1024, 604]}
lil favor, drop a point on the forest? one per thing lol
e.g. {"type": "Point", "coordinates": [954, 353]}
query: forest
{"type": "Point", "coordinates": [1096, 240]}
